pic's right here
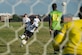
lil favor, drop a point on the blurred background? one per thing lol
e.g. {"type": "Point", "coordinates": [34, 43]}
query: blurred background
{"type": "Point", "coordinates": [40, 7]}
{"type": "Point", "coordinates": [11, 12]}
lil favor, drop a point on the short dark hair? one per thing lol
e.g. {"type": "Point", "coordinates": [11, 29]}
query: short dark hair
{"type": "Point", "coordinates": [24, 15]}
{"type": "Point", "coordinates": [54, 6]}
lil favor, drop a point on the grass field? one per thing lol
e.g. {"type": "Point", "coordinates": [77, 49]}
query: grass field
{"type": "Point", "coordinates": [8, 34]}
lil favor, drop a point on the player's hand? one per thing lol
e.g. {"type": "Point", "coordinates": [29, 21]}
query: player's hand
{"type": "Point", "coordinates": [51, 31]}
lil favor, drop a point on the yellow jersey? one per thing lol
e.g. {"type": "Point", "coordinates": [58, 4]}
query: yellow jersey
{"type": "Point", "coordinates": [71, 37]}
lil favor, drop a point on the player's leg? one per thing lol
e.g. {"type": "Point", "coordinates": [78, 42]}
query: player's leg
{"type": "Point", "coordinates": [56, 48]}
{"type": "Point", "coordinates": [23, 36]}
{"type": "Point", "coordinates": [28, 35]}
{"type": "Point", "coordinates": [23, 42]}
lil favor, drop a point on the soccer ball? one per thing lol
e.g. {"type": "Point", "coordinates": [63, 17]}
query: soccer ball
{"type": "Point", "coordinates": [64, 4]}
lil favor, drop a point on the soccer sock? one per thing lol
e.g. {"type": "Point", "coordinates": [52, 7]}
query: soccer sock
{"type": "Point", "coordinates": [22, 37]}
{"type": "Point", "coordinates": [24, 42]}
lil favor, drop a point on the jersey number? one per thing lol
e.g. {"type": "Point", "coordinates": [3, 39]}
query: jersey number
{"type": "Point", "coordinates": [55, 17]}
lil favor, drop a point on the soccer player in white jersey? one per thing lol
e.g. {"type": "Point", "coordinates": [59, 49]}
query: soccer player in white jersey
{"type": "Point", "coordinates": [25, 19]}
{"type": "Point", "coordinates": [30, 28]}
{"type": "Point", "coordinates": [36, 21]}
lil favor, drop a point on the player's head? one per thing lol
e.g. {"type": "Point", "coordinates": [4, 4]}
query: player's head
{"type": "Point", "coordinates": [36, 16]}
{"type": "Point", "coordinates": [54, 6]}
{"type": "Point", "coordinates": [25, 15]}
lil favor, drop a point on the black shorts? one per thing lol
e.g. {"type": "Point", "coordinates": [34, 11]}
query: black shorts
{"type": "Point", "coordinates": [55, 32]}
{"type": "Point", "coordinates": [28, 33]}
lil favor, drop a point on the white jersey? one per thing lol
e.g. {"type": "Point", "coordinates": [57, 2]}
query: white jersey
{"type": "Point", "coordinates": [26, 20]}
{"type": "Point", "coordinates": [31, 27]}
{"type": "Point", "coordinates": [36, 21]}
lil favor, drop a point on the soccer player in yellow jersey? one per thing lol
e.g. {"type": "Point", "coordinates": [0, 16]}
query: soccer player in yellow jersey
{"type": "Point", "coordinates": [71, 37]}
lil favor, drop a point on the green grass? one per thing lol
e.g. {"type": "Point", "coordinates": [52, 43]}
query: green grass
{"type": "Point", "coordinates": [7, 34]}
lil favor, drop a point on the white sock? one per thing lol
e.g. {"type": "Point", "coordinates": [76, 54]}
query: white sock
{"type": "Point", "coordinates": [24, 42]}
{"type": "Point", "coordinates": [23, 36]}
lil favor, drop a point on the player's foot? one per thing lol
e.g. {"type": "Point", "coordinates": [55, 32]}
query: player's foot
{"type": "Point", "coordinates": [23, 43]}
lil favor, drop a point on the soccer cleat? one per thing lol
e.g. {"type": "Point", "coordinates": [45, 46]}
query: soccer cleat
{"type": "Point", "coordinates": [23, 42]}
